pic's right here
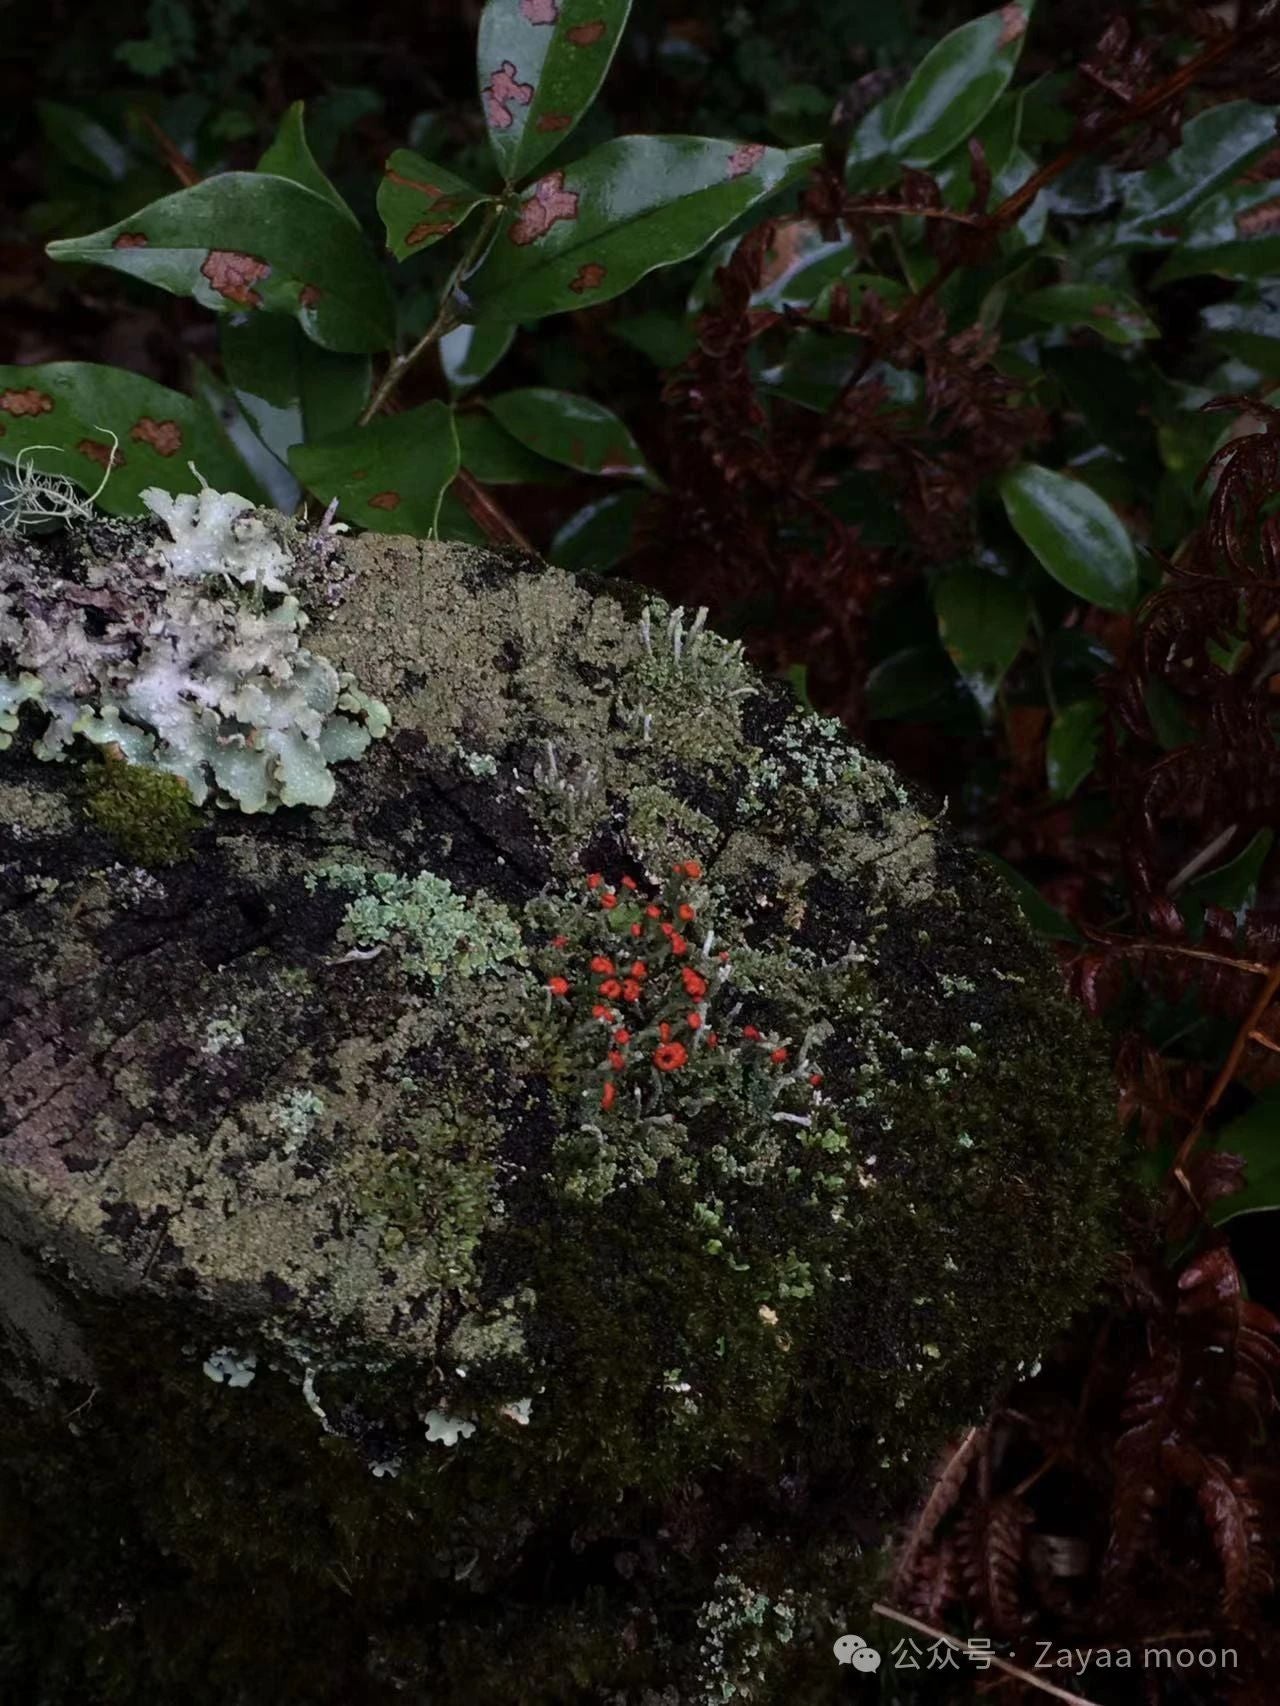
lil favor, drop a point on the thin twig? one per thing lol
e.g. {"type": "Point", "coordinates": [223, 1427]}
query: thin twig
{"type": "Point", "coordinates": [174, 158]}
{"type": "Point", "coordinates": [445, 320]}
{"type": "Point", "coordinates": [982, 1654]}
{"type": "Point", "coordinates": [1266, 995]}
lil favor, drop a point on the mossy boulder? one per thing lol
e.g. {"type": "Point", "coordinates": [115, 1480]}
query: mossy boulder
{"type": "Point", "coordinates": [519, 1233]}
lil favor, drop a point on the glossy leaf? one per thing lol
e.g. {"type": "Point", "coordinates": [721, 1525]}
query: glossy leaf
{"type": "Point", "coordinates": [576, 431]}
{"type": "Point", "coordinates": [909, 683]}
{"type": "Point", "coordinates": [982, 621]}
{"type": "Point", "coordinates": [83, 142]}
{"type": "Point", "coordinates": [247, 240]}
{"type": "Point", "coordinates": [389, 476]}
{"type": "Point", "coordinates": [271, 471]}
{"type": "Point", "coordinates": [1072, 748]}
{"type": "Point", "coordinates": [290, 156]}
{"type": "Point", "coordinates": [1044, 919]}
{"type": "Point", "coordinates": [469, 354]}
{"type": "Point", "coordinates": [1235, 884]}
{"type": "Point", "coordinates": [1234, 235]}
{"type": "Point", "coordinates": [1216, 145]}
{"type": "Point", "coordinates": [494, 458]}
{"type": "Point", "coordinates": [954, 87]}
{"type": "Point", "coordinates": [420, 203]}
{"type": "Point", "coordinates": [599, 536]}
{"type": "Point", "coordinates": [74, 405]}
{"type": "Point", "coordinates": [1255, 1135]}
{"type": "Point", "coordinates": [540, 63]}
{"type": "Point", "coordinates": [1169, 721]}
{"type": "Point", "coordinates": [588, 231]}
{"type": "Point", "coordinates": [1113, 314]}
{"type": "Point", "coordinates": [290, 388]}
{"type": "Point", "coordinates": [1075, 535]}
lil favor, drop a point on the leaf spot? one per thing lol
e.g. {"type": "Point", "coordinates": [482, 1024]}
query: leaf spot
{"type": "Point", "coordinates": [233, 275]}
{"type": "Point", "coordinates": [1013, 24]}
{"type": "Point", "coordinates": [131, 240]}
{"type": "Point", "coordinates": [549, 202]}
{"type": "Point", "coordinates": [554, 121]}
{"type": "Point", "coordinates": [745, 159]}
{"type": "Point", "coordinates": [586, 35]}
{"type": "Point", "coordinates": [385, 500]}
{"type": "Point", "coordinates": [501, 89]}
{"type": "Point", "coordinates": [1260, 220]}
{"type": "Point", "coordinates": [309, 295]}
{"type": "Point", "coordinates": [589, 276]}
{"type": "Point", "coordinates": [29, 402]}
{"type": "Point", "coordinates": [164, 437]}
{"type": "Point", "coordinates": [427, 228]}
{"type": "Point", "coordinates": [102, 454]}
{"type": "Point", "coordinates": [540, 11]}
{"type": "Point", "coordinates": [432, 190]}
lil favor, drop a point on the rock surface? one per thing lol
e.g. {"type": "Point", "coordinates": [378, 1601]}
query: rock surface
{"type": "Point", "coordinates": [519, 1232]}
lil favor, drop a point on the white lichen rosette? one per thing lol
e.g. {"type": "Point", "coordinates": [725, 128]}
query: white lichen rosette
{"type": "Point", "coordinates": [193, 663]}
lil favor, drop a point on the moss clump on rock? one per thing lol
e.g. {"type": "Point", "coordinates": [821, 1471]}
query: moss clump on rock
{"type": "Point", "coordinates": [624, 1131]}
{"type": "Point", "coordinates": [147, 813]}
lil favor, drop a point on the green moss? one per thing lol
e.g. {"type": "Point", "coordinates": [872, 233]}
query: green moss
{"type": "Point", "coordinates": [147, 813]}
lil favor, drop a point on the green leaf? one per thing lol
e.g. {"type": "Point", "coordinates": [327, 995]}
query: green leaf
{"type": "Point", "coordinates": [575, 430]}
{"type": "Point", "coordinates": [1173, 728]}
{"type": "Point", "coordinates": [1216, 145]}
{"type": "Point", "coordinates": [249, 240]}
{"type": "Point", "coordinates": [598, 537]}
{"type": "Point", "coordinates": [421, 203]}
{"type": "Point", "coordinates": [540, 63]}
{"type": "Point", "coordinates": [908, 682]}
{"type": "Point", "coordinates": [664, 339]}
{"type": "Point", "coordinates": [1072, 748]}
{"type": "Point", "coordinates": [1248, 327]}
{"type": "Point", "coordinates": [1044, 919]}
{"type": "Point", "coordinates": [1113, 314]}
{"type": "Point", "coordinates": [83, 142]}
{"type": "Point", "coordinates": [1235, 235]}
{"type": "Point", "coordinates": [469, 354]}
{"type": "Point", "coordinates": [290, 156]}
{"type": "Point", "coordinates": [1235, 884]}
{"type": "Point", "coordinates": [389, 476]}
{"type": "Point", "coordinates": [589, 231]}
{"type": "Point", "coordinates": [1077, 537]}
{"type": "Point", "coordinates": [982, 621]}
{"type": "Point", "coordinates": [290, 388]}
{"type": "Point", "coordinates": [1255, 1135]}
{"type": "Point", "coordinates": [954, 87]}
{"type": "Point", "coordinates": [74, 405]}
{"type": "Point", "coordinates": [493, 457]}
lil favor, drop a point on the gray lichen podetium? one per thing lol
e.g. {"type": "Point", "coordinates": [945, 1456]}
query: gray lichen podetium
{"type": "Point", "coordinates": [186, 657]}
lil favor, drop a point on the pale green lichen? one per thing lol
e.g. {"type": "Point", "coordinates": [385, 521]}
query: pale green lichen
{"type": "Point", "coordinates": [180, 670]}
{"type": "Point", "coordinates": [436, 931]}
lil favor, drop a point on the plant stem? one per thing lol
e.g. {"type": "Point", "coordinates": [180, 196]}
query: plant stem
{"type": "Point", "coordinates": [445, 320]}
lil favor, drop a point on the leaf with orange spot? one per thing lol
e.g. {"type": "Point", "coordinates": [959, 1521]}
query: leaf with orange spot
{"type": "Point", "coordinates": [390, 476]}
{"type": "Point", "coordinates": [420, 202]}
{"type": "Point", "coordinates": [540, 64]}
{"type": "Point", "coordinates": [597, 225]}
{"type": "Point", "coordinates": [576, 431]}
{"type": "Point", "coordinates": [246, 235]}
{"type": "Point", "coordinates": [64, 412]}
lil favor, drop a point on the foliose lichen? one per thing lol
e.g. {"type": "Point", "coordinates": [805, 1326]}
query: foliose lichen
{"type": "Point", "coordinates": [187, 659]}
